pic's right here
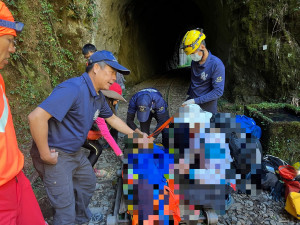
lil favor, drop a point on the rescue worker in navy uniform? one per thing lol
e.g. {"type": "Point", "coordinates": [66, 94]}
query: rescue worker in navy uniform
{"type": "Point", "coordinates": [148, 103]}
{"type": "Point", "coordinates": [207, 72]}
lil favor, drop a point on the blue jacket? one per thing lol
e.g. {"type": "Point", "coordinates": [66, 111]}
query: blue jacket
{"type": "Point", "coordinates": [159, 107]}
{"type": "Point", "coordinates": [207, 82]}
{"type": "Point", "coordinates": [157, 99]}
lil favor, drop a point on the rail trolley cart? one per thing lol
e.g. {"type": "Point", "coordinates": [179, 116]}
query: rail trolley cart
{"type": "Point", "coordinates": [121, 217]}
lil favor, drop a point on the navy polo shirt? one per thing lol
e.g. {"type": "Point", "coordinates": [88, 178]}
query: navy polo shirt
{"type": "Point", "coordinates": [74, 105]}
{"type": "Point", "coordinates": [159, 105]}
{"type": "Point", "coordinates": [207, 82]}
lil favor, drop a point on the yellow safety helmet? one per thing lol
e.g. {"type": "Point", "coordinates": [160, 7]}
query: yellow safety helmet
{"type": "Point", "coordinates": [192, 40]}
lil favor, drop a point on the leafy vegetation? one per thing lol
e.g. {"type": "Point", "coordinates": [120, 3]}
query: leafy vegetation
{"type": "Point", "coordinates": [272, 25]}
{"type": "Point", "coordinates": [45, 55]}
{"type": "Point", "coordinates": [278, 138]}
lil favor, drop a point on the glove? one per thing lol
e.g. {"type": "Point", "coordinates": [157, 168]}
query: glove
{"type": "Point", "coordinates": [276, 192]}
{"type": "Point", "coordinates": [188, 102]}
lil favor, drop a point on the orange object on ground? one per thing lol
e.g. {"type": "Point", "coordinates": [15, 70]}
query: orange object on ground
{"type": "Point", "coordinates": [288, 173]}
{"type": "Point", "coordinates": [11, 158]}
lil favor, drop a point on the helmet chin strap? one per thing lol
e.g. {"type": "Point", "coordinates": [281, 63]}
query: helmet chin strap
{"type": "Point", "coordinates": [202, 53]}
{"type": "Point", "coordinates": [202, 56]}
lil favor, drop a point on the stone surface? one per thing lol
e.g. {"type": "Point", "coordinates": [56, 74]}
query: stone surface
{"type": "Point", "coordinates": [250, 210]}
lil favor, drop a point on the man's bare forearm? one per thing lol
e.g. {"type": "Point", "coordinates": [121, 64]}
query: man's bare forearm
{"type": "Point", "coordinates": [119, 124]}
{"type": "Point", "coordinates": [38, 123]}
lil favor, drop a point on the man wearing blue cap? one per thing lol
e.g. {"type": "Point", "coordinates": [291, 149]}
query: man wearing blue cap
{"type": "Point", "coordinates": [148, 103]}
{"type": "Point", "coordinates": [59, 127]}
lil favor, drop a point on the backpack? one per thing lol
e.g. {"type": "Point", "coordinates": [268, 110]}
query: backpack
{"type": "Point", "coordinates": [268, 180]}
{"type": "Point", "coordinates": [270, 165]}
{"type": "Point", "coordinates": [237, 151]}
{"type": "Point", "coordinates": [288, 174]}
{"type": "Point", "coordinates": [249, 124]}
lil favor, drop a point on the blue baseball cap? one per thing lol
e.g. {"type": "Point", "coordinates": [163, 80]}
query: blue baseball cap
{"type": "Point", "coordinates": [144, 103]}
{"type": "Point", "coordinates": [109, 59]}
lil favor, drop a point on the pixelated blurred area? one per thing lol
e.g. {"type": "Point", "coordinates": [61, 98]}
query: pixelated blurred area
{"type": "Point", "coordinates": [145, 170]}
{"type": "Point", "coordinates": [198, 167]}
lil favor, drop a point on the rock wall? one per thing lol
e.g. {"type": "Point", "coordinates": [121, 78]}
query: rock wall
{"type": "Point", "coordinates": [48, 51]}
{"type": "Point", "coordinates": [146, 36]}
{"type": "Point", "coordinates": [271, 74]}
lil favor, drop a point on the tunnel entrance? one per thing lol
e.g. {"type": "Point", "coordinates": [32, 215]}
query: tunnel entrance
{"type": "Point", "coordinates": [153, 31]}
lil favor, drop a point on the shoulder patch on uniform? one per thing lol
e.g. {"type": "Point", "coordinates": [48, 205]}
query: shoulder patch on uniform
{"type": "Point", "coordinates": [219, 79]}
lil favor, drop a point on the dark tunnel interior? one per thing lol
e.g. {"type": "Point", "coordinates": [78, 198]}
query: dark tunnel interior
{"type": "Point", "coordinates": [155, 30]}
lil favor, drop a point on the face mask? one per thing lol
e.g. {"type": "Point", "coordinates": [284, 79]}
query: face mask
{"type": "Point", "coordinates": [195, 57]}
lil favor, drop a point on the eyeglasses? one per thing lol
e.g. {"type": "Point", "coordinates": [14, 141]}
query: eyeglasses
{"type": "Point", "coordinates": [12, 41]}
{"type": "Point", "coordinates": [18, 26]}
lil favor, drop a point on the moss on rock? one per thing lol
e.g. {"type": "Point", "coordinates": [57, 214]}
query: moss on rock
{"type": "Point", "coordinates": [279, 138]}
{"type": "Point", "coordinates": [270, 23]}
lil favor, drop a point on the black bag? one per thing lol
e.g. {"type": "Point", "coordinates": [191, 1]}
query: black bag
{"type": "Point", "coordinates": [239, 156]}
{"type": "Point", "coordinates": [235, 148]}
{"type": "Point", "coordinates": [268, 181]}
{"type": "Point", "coordinates": [270, 165]}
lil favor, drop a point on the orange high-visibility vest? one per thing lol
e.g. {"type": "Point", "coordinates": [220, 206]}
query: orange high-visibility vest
{"type": "Point", "coordinates": [11, 158]}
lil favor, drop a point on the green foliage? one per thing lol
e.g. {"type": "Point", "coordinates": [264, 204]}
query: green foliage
{"type": "Point", "coordinates": [271, 23]}
{"type": "Point", "coordinates": [44, 57]}
{"type": "Point", "coordinates": [226, 107]}
{"type": "Point", "coordinates": [27, 91]}
{"type": "Point", "coordinates": [60, 66]}
{"type": "Point", "coordinates": [283, 141]}
{"type": "Point", "coordinates": [271, 105]}
{"type": "Point", "coordinates": [90, 12]}
{"type": "Point", "coordinates": [278, 138]}
{"type": "Point", "coordinates": [79, 11]}
{"type": "Point", "coordinates": [38, 188]}
{"type": "Point", "coordinates": [11, 3]}
{"type": "Point", "coordinates": [274, 148]}
{"type": "Point", "coordinates": [76, 9]}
